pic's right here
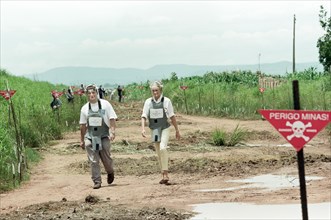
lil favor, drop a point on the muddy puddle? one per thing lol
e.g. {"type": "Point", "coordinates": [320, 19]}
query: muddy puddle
{"type": "Point", "coordinates": [318, 211]}
{"type": "Point", "coordinates": [267, 182]}
{"type": "Point", "coordinates": [244, 211]}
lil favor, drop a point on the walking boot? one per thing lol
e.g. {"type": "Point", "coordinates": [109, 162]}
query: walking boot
{"type": "Point", "coordinates": [97, 185]}
{"type": "Point", "coordinates": [110, 178]}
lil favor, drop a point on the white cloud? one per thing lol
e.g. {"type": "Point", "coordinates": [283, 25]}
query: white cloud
{"type": "Point", "coordinates": [40, 35]}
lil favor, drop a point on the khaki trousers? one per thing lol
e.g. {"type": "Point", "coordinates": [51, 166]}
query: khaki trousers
{"type": "Point", "coordinates": [95, 156]}
{"type": "Point", "coordinates": [161, 149]}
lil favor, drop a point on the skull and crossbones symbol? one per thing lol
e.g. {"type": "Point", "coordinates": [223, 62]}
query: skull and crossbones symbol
{"type": "Point", "coordinates": [298, 127]}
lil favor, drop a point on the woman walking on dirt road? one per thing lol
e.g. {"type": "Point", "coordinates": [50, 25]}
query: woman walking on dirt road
{"type": "Point", "coordinates": [96, 118]}
{"type": "Point", "coordinates": [157, 110]}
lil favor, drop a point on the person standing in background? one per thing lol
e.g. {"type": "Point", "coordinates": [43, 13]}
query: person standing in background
{"type": "Point", "coordinates": [56, 102]}
{"type": "Point", "coordinates": [119, 93]}
{"type": "Point", "coordinates": [82, 88]}
{"type": "Point", "coordinates": [69, 95]}
{"type": "Point", "coordinates": [101, 92]}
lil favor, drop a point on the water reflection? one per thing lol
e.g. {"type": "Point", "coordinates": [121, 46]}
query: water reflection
{"type": "Point", "coordinates": [268, 181]}
{"type": "Point", "coordinates": [237, 211]}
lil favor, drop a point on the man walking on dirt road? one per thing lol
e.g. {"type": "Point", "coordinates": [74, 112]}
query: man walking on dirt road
{"type": "Point", "coordinates": [97, 129]}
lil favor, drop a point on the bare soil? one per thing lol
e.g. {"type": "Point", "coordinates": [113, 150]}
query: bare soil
{"type": "Point", "coordinates": [60, 186]}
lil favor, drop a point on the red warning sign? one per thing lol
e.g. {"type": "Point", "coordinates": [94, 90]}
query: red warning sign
{"type": "Point", "coordinates": [7, 94]}
{"type": "Point", "coordinates": [79, 92]}
{"type": "Point", "coordinates": [298, 127]}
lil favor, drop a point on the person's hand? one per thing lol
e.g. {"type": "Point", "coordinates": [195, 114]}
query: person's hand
{"type": "Point", "coordinates": [177, 135]}
{"type": "Point", "coordinates": [82, 144]}
{"type": "Point", "coordinates": [112, 136]}
{"type": "Point", "coordinates": [143, 133]}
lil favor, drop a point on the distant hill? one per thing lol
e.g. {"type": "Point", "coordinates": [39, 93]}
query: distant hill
{"type": "Point", "coordinates": [123, 76]}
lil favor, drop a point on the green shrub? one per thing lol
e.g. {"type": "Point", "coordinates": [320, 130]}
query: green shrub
{"type": "Point", "coordinates": [222, 138]}
{"type": "Point", "coordinates": [236, 136]}
{"type": "Point", "coordinates": [219, 137]}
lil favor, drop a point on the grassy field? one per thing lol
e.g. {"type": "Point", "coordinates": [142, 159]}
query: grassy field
{"type": "Point", "coordinates": [27, 123]}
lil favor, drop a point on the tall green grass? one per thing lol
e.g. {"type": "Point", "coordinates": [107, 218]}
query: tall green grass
{"type": "Point", "coordinates": [32, 125]}
{"type": "Point", "coordinates": [237, 95]}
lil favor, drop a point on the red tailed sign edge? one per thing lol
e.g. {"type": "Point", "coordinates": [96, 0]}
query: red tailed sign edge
{"type": "Point", "coordinates": [7, 94]}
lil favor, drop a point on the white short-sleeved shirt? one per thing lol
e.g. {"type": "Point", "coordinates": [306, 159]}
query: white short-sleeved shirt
{"type": "Point", "coordinates": [110, 113]}
{"type": "Point", "coordinates": [167, 105]}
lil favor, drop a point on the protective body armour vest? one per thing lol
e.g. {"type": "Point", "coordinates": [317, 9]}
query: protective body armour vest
{"type": "Point", "coordinates": [97, 128]}
{"type": "Point", "coordinates": [157, 119]}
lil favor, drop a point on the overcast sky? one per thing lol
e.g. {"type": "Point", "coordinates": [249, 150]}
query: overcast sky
{"type": "Point", "coordinates": [39, 35]}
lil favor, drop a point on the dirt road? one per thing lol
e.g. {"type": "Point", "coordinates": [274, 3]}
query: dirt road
{"type": "Point", "coordinates": [60, 185]}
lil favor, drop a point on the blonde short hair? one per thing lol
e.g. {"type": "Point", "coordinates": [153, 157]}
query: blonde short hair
{"type": "Point", "coordinates": [156, 84]}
